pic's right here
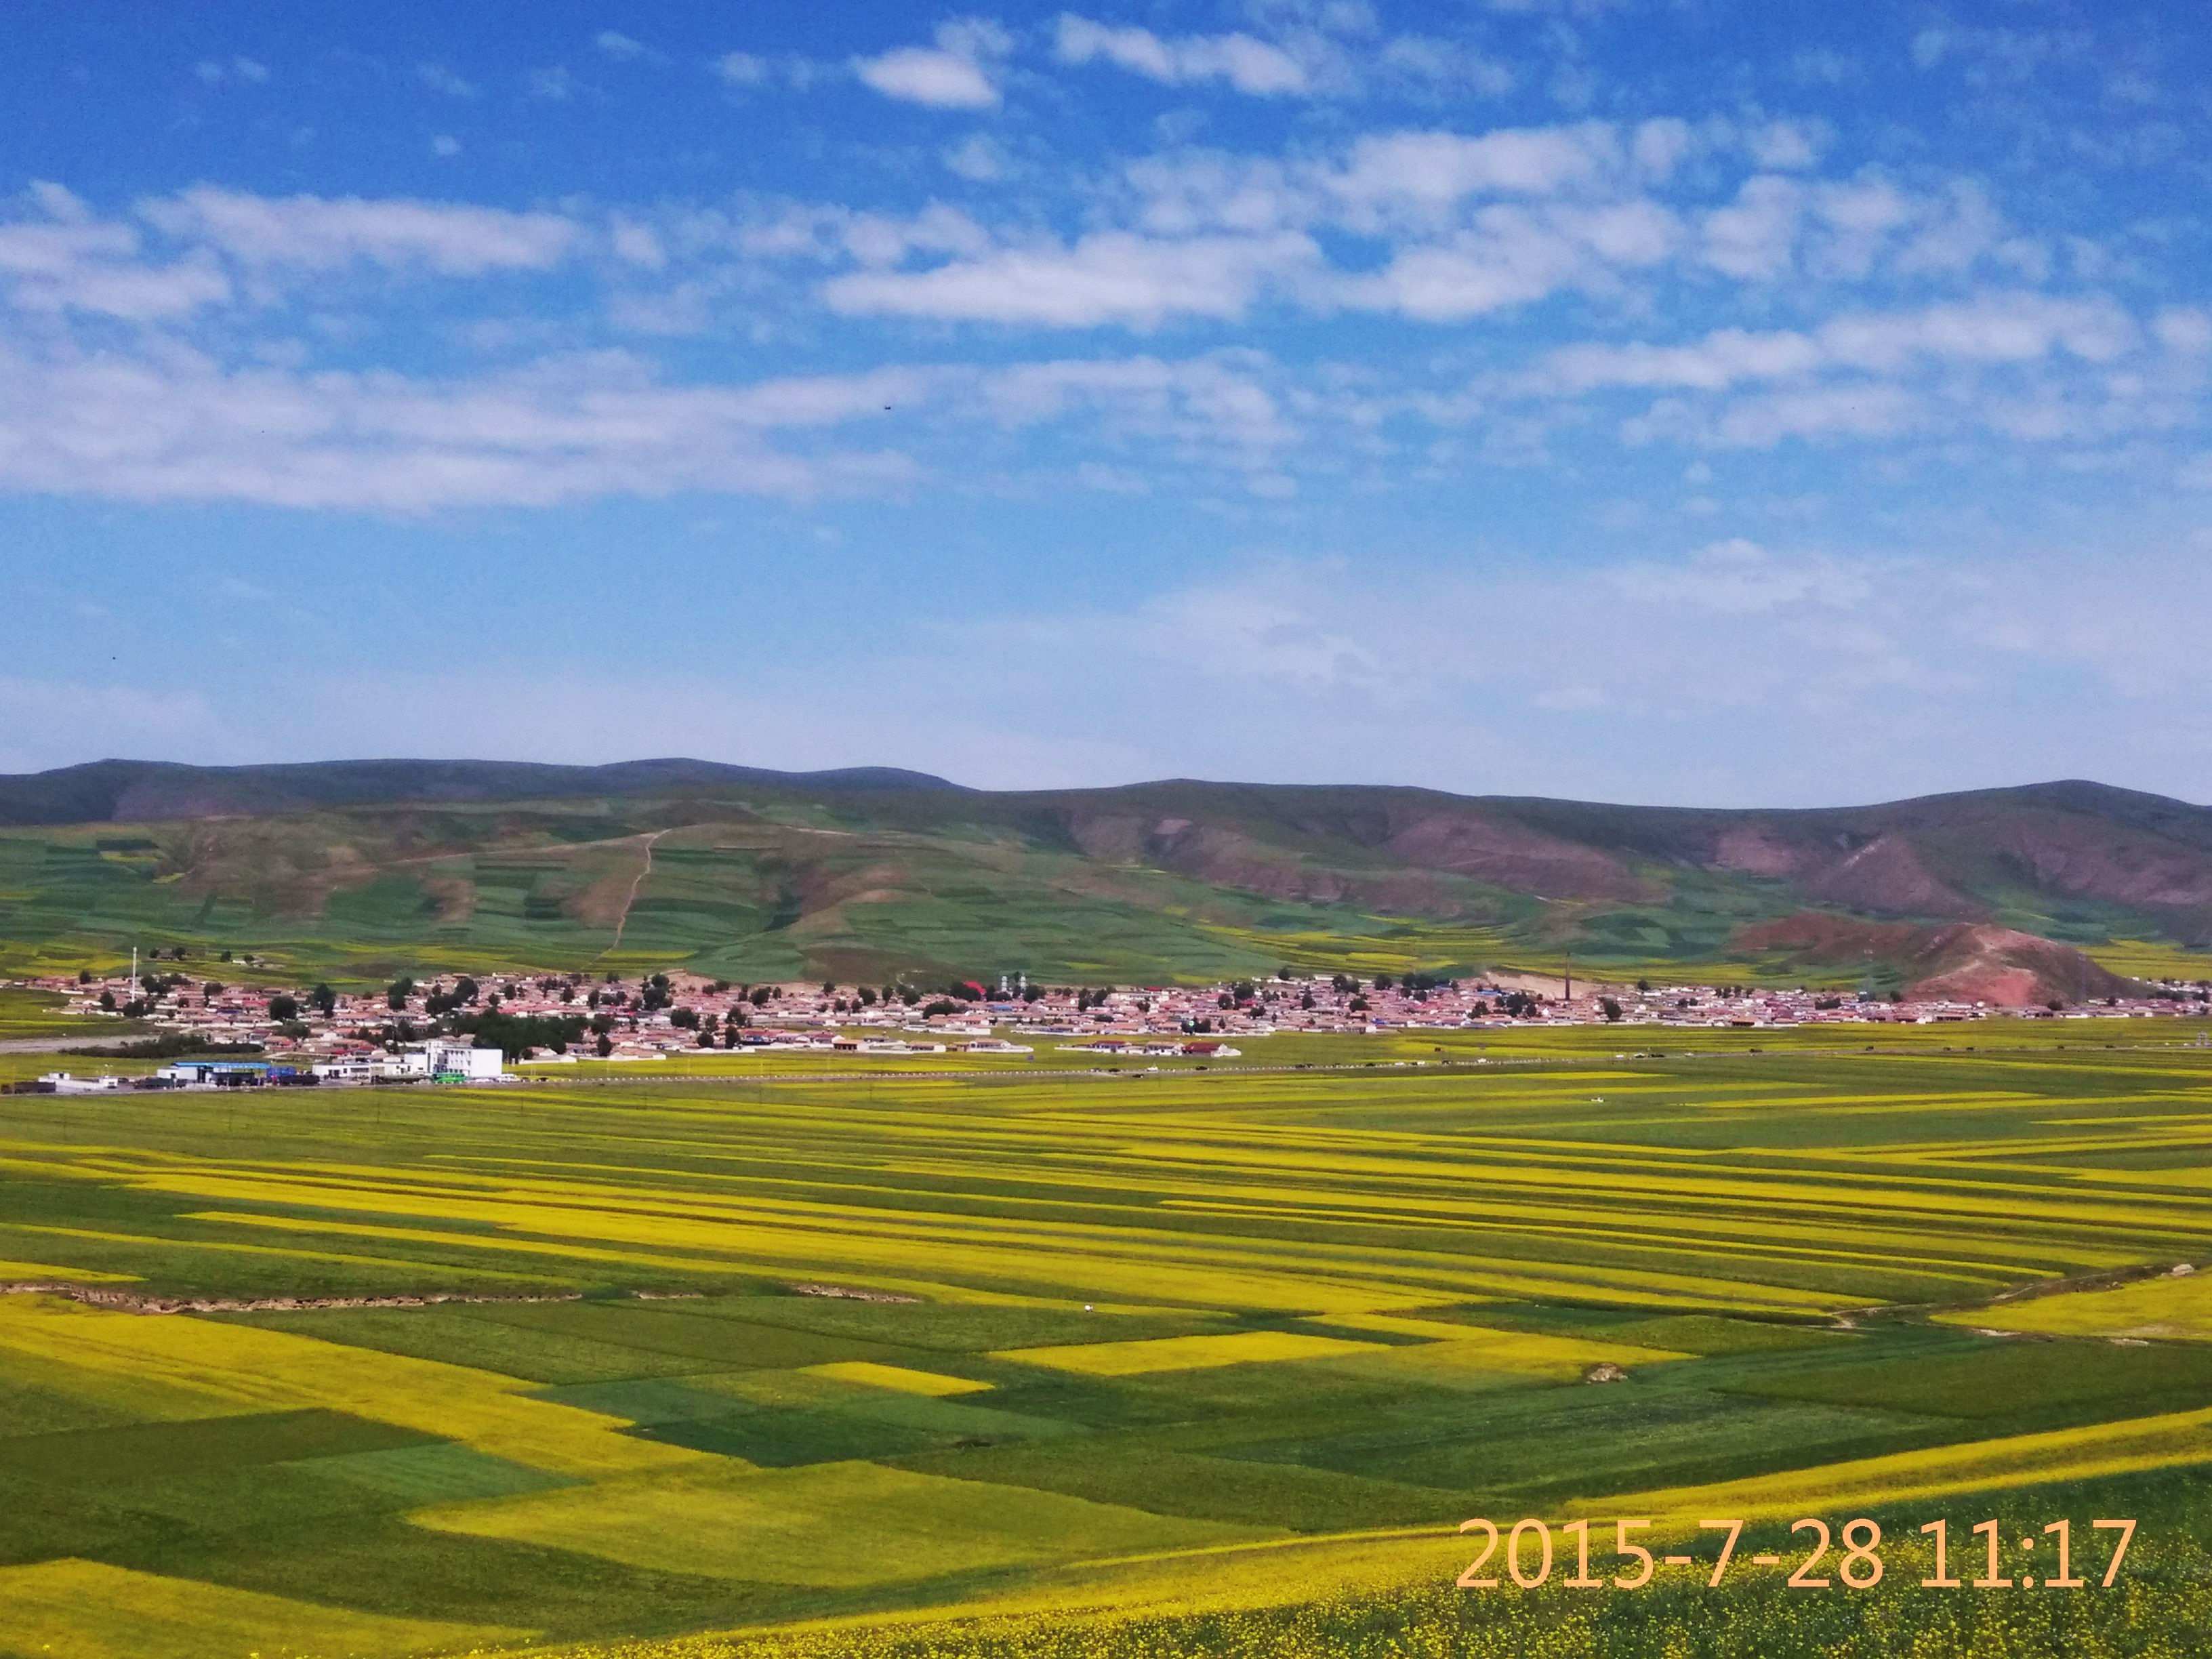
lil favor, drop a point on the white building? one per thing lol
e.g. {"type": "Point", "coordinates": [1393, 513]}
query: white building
{"type": "Point", "coordinates": [428, 1062]}
{"type": "Point", "coordinates": [64, 1083]}
{"type": "Point", "coordinates": [462, 1060]}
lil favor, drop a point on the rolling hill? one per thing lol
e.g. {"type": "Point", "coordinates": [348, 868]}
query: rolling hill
{"type": "Point", "coordinates": [358, 868]}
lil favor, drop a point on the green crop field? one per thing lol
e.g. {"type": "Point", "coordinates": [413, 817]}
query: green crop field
{"type": "Point", "coordinates": [1185, 1362]}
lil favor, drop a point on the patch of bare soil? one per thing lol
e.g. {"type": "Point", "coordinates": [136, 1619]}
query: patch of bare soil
{"type": "Point", "coordinates": [846, 1293]}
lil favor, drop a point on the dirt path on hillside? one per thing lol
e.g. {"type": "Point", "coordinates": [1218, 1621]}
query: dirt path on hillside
{"type": "Point", "coordinates": [622, 921]}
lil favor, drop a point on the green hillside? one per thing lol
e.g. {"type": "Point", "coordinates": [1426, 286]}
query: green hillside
{"type": "Point", "coordinates": [363, 869]}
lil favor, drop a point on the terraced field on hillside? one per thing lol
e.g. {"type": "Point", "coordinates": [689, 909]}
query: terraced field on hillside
{"type": "Point", "coordinates": [1186, 1362]}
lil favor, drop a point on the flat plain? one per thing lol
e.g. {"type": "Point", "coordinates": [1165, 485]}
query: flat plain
{"type": "Point", "coordinates": [897, 1361]}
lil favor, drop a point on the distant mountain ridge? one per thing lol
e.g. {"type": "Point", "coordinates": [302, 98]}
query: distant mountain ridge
{"type": "Point", "coordinates": [123, 791]}
{"type": "Point", "coordinates": [870, 872]}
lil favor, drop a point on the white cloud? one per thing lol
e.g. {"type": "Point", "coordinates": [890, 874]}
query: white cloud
{"type": "Point", "coordinates": [1107, 277]}
{"type": "Point", "coordinates": [2184, 329]}
{"type": "Point", "coordinates": [623, 49]}
{"type": "Point", "coordinates": [1203, 405]}
{"type": "Point", "coordinates": [1756, 238]}
{"type": "Point", "coordinates": [1784, 146]}
{"type": "Point", "coordinates": [978, 158]}
{"type": "Point", "coordinates": [445, 144]}
{"type": "Point", "coordinates": [1996, 328]}
{"type": "Point", "coordinates": [320, 232]}
{"type": "Point", "coordinates": [1428, 173]}
{"type": "Point", "coordinates": [65, 260]}
{"type": "Point", "coordinates": [636, 244]}
{"type": "Point", "coordinates": [1248, 65]}
{"type": "Point", "coordinates": [952, 75]}
{"type": "Point", "coordinates": [239, 71]}
{"type": "Point", "coordinates": [1513, 255]}
{"type": "Point", "coordinates": [553, 84]}
{"type": "Point", "coordinates": [441, 78]}
{"type": "Point", "coordinates": [1858, 409]}
{"type": "Point", "coordinates": [177, 426]}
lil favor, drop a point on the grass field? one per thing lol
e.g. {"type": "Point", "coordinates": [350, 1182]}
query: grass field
{"type": "Point", "coordinates": [1151, 1363]}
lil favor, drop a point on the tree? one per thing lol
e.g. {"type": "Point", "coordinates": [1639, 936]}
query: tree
{"type": "Point", "coordinates": [325, 998]}
{"type": "Point", "coordinates": [604, 1046]}
{"type": "Point", "coordinates": [283, 1009]}
{"type": "Point", "coordinates": [684, 1018]}
{"type": "Point", "coordinates": [761, 994]}
{"type": "Point", "coordinates": [514, 1035]}
{"type": "Point", "coordinates": [1609, 1008]}
{"type": "Point", "coordinates": [396, 998]}
{"type": "Point", "coordinates": [108, 1001]}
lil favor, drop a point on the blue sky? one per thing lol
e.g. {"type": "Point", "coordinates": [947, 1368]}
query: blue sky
{"type": "Point", "coordinates": [1702, 402]}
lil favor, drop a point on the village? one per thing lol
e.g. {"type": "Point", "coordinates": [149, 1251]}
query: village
{"type": "Point", "coordinates": [492, 1028]}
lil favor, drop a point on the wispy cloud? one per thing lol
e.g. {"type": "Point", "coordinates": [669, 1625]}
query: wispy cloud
{"type": "Point", "coordinates": [232, 72]}
{"type": "Point", "coordinates": [320, 232]}
{"type": "Point", "coordinates": [1248, 65]}
{"type": "Point", "coordinates": [957, 73]}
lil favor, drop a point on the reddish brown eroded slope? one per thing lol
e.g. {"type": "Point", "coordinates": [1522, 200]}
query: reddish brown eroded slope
{"type": "Point", "coordinates": [1974, 962]}
{"type": "Point", "coordinates": [1889, 876]}
{"type": "Point", "coordinates": [1962, 962]}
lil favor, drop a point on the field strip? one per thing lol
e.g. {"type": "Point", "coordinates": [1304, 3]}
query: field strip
{"type": "Point", "coordinates": [1591, 1180]}
{"type": "Point", "coordinates": [1199, 1281]}
{"type": "Point", "coordinates": [825, 1525]}
{"type": "Point", "coordinates": [466, 1240]}
{"type": "Point", "coordinates": [1181, 1353]}
{"type": "Point", "coordinates": [274, 1371]}
{"type": "Point", "coordinates": [21, 1272]}
{"type": "Point", "coordinates": [397, 1263]}
{"type": "Point", "coordinates": [1673, 1233]}
{"type": "Point", "coordinates": [89, 1610]}
{"type": "Point", "coordinates": [2129, 1446]}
